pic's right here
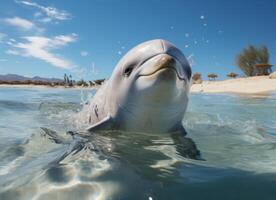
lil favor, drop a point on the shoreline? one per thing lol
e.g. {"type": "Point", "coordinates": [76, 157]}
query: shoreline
{"type": "Point", "coordinates": [257, 85]}
{"type": "Point", "coordinates": [30, 86]}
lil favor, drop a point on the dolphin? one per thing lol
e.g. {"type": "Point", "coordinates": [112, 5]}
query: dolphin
{"type": "Point", "coordinates": [147, 92]}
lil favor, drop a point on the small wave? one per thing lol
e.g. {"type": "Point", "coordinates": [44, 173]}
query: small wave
{"type": "Point", "coordinates": [17, 105]}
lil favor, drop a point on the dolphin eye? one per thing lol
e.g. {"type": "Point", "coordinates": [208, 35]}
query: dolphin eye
{"type": "Point", "coordinates": [128, 70]}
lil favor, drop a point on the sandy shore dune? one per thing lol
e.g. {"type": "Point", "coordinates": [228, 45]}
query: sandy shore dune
{"type": "Point", "coordinates": [248, 85]}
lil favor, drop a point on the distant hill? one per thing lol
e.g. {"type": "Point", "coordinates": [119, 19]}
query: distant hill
{"type": "Point", "coordinates": [15, 77]}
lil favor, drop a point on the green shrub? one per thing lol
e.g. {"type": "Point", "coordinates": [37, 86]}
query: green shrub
{"type": "Point", "coordinates": [252, 56]}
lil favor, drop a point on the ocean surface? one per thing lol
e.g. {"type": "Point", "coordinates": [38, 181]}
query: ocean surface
{"type": "Point", "coordinates": [236, 136]}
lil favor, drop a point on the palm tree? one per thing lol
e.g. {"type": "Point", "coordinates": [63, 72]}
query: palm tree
{"type": "Point", "coordinates": [70, 80]}
{"type": "Point", "coordinates": [65, 79]}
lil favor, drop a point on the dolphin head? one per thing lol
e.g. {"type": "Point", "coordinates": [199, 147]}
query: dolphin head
{"type": "Point", "coordinates": [152, 84]}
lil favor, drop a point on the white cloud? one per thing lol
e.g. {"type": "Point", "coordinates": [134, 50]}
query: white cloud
{"type": "Point", "coordinates": [46, 19]}
{"type": "Point", "coordinates": [84, 53]}
{"type": "Point", "coordinates": [50, 11]}
{"type": "Point", "coordinates": [40, 47]}
{"type": "Point", "coordinates": [12, 52]}
{"type": "Point", "coordinates": [38, 14]}
{"type": "Point", "coordinates": [19, 23]}
{"type": "Point", "coordinates": [2, 37]}
{"type": "Point", "coordinates": [11, 41]}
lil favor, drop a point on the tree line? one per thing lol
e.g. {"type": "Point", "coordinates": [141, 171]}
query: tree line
{"type": "Point", "coordinates": [69, 82]}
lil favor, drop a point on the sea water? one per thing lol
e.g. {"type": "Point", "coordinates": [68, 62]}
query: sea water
{"type": "Point", "coordinates": [235, 134]}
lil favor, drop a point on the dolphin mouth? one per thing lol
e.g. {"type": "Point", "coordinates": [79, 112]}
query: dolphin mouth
{"type": "Point", "coordinates": [166, 62]}
{"type": "Point", "coordinates": [161, 69]}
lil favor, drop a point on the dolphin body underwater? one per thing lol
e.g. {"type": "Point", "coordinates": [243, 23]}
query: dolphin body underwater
{"type": "Point", "coordinates": [147, 92]}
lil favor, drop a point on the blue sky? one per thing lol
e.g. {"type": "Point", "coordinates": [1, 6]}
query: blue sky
{"type": "Point", "coordinates": [87, 38]}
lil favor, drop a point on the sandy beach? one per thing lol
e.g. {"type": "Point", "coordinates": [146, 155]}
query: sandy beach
{"type": "Point", "coordinates": [248, 85]}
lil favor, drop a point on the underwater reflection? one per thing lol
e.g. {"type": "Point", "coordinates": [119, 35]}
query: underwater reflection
{"type": "Point", "coordinates": [67, 166]}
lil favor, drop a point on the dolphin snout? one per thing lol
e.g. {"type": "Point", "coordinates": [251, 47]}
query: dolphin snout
{"type": "Point", "coordinates": [170, 49]}
{"type": "Point", "coordinates": [166, 61]}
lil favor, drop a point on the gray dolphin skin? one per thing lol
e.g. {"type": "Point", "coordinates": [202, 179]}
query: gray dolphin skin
{"type": "Point", "coordinates": [147, 92]}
